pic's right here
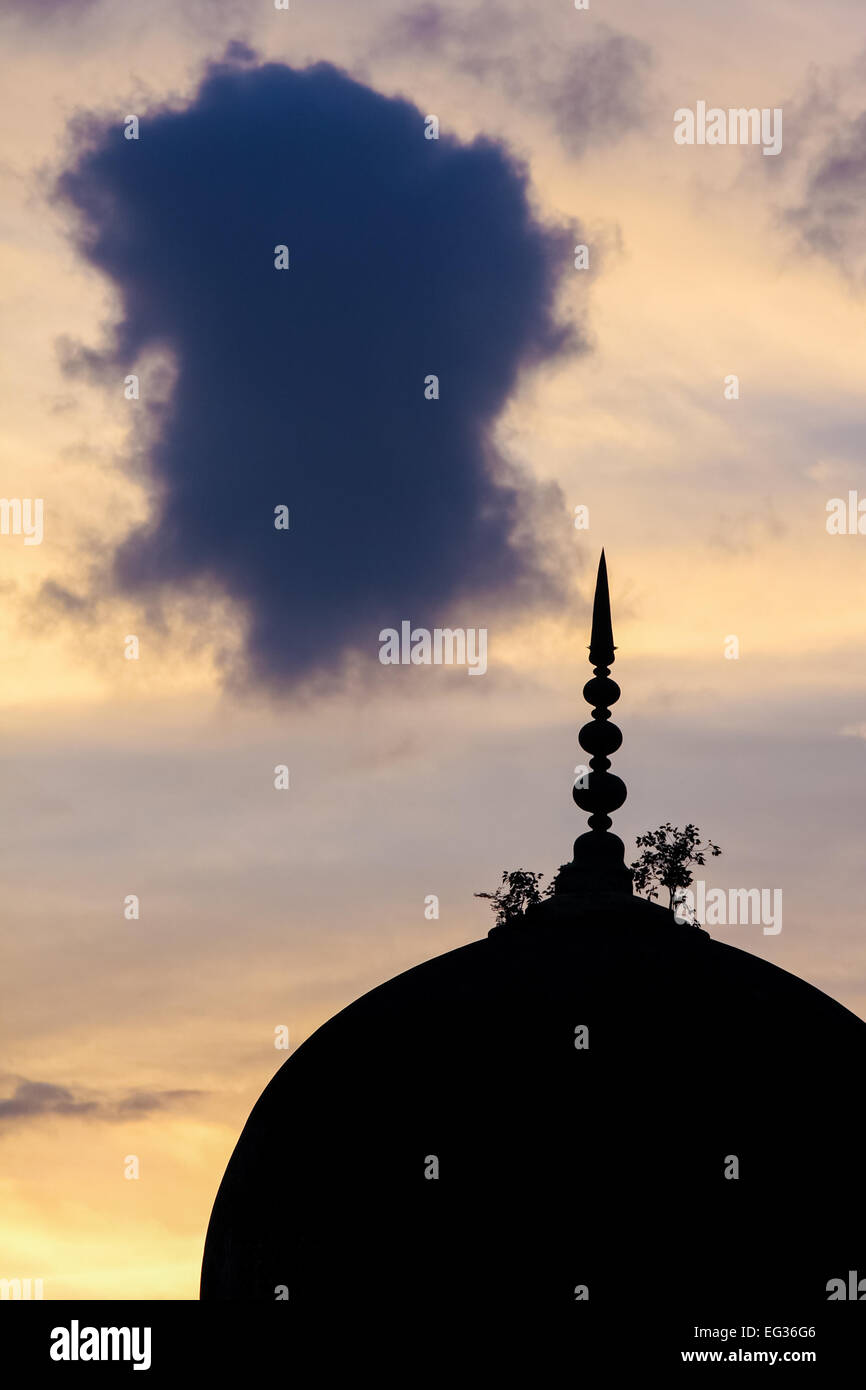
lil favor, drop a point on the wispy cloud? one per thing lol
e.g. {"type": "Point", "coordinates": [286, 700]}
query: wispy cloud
{"type": "Point", "coordinates": [824, 202]}
{"type": "Point", "coordinates": [43, 10]}
{"type": "Point", "coordinates": [595, 91]}
{"type": "Point", "coordinates": [831, 219]}
{"type": "Point", "coordinates": [31, 1099]}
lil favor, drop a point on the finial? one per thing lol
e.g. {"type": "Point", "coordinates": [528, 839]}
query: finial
{"type": "Point", "coordinates": [598, 862]}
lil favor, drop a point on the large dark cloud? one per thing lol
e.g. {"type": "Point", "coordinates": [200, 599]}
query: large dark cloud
{"type": "Point", "coordinates": [305, 387]}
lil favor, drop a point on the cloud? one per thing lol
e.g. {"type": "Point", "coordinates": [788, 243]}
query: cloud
{"type": "Point", "coordinates": [601, 93]}
{"type": "Point", "coordinates": [831, 218]}
{"type": "Point", "coordinates": [305, 387]}
{"type": "Point", "coordinates": [821, 183]}
{"type": "Point", "coordinates": [146, 1102]}
{"type": "Point", "coordinates": [239, 52]}
{"type": "Point", "coordinates": [36, 1098]}
{"type": "Point", "coordinates": [595, 90]}
{"type": "Point", "coordinates": [434, 28]}
{"type": "Point", "coordinates": [41, 1098]}
{"type": "Point", "coordinates": [47, 9]}
{"type": "Point", "coordinates": [55, 597]}
{"type": "Point", "coordinates": [742, 531]}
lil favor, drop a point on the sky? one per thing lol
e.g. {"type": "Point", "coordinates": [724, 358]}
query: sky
{"type": "Point", "coordinates": [602, 388]}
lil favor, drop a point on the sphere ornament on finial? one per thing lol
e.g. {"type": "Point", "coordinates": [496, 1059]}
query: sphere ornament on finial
{"type": "Point", "coordinates": [599, 856]}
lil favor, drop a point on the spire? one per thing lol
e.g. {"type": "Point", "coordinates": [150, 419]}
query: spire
{"type": "Point", "coordinates": [601, 645]}
{"type": "Point", "coordinates": [598, 863]}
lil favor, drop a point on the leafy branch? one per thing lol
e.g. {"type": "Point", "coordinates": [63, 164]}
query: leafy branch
{"type": "Point", "coordinates": [667, 857]}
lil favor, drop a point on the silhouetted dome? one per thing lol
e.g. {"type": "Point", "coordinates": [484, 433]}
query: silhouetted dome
{"type": "Point", "coordinates": [444, 1144]}
{"type": "Point", "coordinates": [558, 1166]}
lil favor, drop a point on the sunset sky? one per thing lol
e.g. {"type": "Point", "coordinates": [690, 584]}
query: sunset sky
{"type": "Point", "coordinates": [559, 387]}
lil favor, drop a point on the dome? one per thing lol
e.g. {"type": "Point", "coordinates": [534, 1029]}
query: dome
{"type": "Point", "coordinates": [559, 1166]}
{"type": "Point", "coordinates": [596, 1103]}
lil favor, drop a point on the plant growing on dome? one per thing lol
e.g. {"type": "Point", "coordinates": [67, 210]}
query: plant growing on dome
{"type": "Point", "coordinates": [666, 860]}
{"type": "Point", "coordinates": [519, 890]}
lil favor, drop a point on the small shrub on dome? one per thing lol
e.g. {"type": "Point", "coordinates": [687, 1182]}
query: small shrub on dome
{"type": "Point", "coordinates": [519, 889]}
{"type": "Point", "coordinates": [666, 859]}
